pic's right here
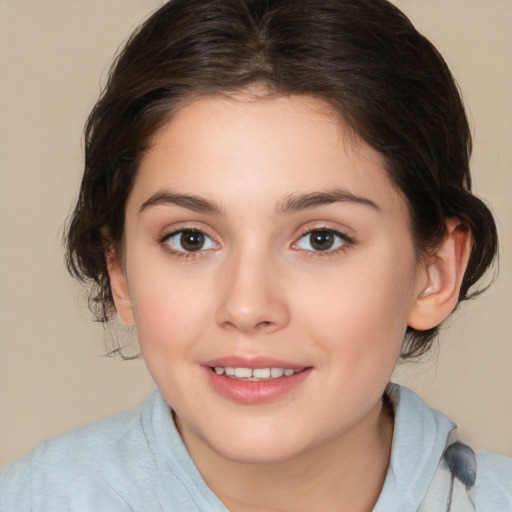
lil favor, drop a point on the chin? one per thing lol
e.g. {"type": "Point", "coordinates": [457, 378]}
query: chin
{"type": "Point", "coordinates": [259, 453]}
{"type": "Point", "coordinates": [260, 445]}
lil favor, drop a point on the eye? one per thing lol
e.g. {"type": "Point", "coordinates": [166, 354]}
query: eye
{"type": "Point", "coordinates": [322, 240]}
{"type": "Point", "coordinates": [189, 240]}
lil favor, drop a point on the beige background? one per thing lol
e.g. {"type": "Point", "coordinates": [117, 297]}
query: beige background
{"type": "Point", "coordinates": [52, 373]}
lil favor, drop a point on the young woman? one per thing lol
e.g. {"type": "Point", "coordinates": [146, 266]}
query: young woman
{"type": "Point", "coordinates": [277, 196]}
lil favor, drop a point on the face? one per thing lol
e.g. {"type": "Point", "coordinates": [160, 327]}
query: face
{"type": "Point", "coordinates": [263, 240]}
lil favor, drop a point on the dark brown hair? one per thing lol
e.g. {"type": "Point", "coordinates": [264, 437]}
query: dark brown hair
{"type": "Point", "coordinates": [363, 57]}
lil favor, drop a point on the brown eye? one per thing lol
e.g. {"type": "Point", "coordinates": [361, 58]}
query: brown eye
{"type": "Point", "coordinates": [322, 240]}
{"type": "Point", "coordinates": [190, 240]}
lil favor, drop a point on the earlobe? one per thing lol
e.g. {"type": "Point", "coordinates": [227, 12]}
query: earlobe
{"type": "Point", "coordinates": [442, 278]}
{"type": "Point", "coordinates": [119, 286]}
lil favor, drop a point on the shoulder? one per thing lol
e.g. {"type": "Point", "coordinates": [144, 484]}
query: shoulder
{"type": "Point", "coordinates": [419, 449]}
{"type": "Point", "coordinates": [45, 478]}
{"type": "Point", "coordinates": [96, 441]}
{"type": "Point", "coordinates": [133, 461]}
{"type": "Point", "coordinates": [494, 482]}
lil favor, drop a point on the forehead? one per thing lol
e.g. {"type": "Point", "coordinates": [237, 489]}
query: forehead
{"type": "Point", "coordinates": [246, 146]}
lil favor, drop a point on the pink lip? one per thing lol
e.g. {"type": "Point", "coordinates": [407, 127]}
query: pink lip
{"type": "Point", "coordinates": [250, 392]}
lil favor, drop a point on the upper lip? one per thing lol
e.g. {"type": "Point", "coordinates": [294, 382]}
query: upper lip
{"type": "Point", "coordinates": [251, 362]}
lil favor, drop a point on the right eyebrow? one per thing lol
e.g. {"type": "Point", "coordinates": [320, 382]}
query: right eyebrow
{"type": "Point", "coordinates": [188, 201]}
{"type": "Point", "coordinates": [297, 202]}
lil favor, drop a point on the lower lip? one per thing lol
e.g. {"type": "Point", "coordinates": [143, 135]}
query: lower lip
{"type": "Point", "coordinates": [255, 392]}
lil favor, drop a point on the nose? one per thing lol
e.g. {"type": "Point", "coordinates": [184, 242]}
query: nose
{"type": "Point", "coordinates": [252, 299]}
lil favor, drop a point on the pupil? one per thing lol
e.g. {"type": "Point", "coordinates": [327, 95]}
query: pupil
{"type": "Point", "coordinates": [192, 240]}
{"type": "Point", "coordinates": [322, 240]}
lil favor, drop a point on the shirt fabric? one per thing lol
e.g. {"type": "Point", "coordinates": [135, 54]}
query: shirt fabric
{"type": "Point", "coordinates": [136, 461]}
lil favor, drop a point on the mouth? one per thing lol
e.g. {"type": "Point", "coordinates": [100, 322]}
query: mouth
{"type": "Point", "coordinates": [255, 374]}
{"type": "Point", "coordinates": [255, 380]}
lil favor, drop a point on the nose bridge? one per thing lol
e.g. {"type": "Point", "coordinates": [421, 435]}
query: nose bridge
{"type": "Point", "coordinates": [251, 300]}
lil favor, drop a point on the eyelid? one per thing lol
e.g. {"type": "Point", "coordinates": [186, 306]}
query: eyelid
{"type": "Point", "coordinates": [164, 239]}
{"type": "Point", "coordinates": [178, 227]}
{"type": "Point", "coordinates": [348, 240]}
{"type": "Point", "coordinates": [343, 231]}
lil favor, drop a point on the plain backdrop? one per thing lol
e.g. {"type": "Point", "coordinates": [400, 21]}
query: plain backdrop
{"type": "Point", "coordinates": [54, 56]}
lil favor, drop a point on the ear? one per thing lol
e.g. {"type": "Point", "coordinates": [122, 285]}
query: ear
{"type": "Point", "coordinates": [119, 285]}
{"type": "Point", "coordinates": [440, 282]}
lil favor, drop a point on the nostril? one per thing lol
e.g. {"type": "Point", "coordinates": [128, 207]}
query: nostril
{"type": "Point", "coordinates": [264, 325]}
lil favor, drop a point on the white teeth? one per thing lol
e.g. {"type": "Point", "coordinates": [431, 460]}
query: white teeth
{"type": "Point", "coordinates": [261, 373]}
{"type": "Point", "coordinates": [276, 372]}
{"type": "Point", "coordinates": [240, 373]}
{"type": "Point", "coordinates": [256, 373]}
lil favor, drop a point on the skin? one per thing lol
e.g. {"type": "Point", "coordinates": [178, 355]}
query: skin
{"type": "Point", "coordinates": [259, 288]}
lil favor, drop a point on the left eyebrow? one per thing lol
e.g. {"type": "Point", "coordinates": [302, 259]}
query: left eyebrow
{"type": "Point", "coordinates": [190, 202]}
{"type": "Point", "coordinates": [298, 202]}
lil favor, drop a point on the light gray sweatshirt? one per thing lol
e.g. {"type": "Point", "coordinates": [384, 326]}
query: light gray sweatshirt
{"type": "Point", "coordinates": [137, 462]}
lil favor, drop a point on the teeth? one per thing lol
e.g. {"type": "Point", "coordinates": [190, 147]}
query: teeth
{"type": "Point", "coordinates": [277, 372]}
{"type": "Point", "coordinates": [261, 373]}
{"type": "Point", "coordinates": [256, 373]}
{"type": "Point", "coordinates": [240, 373]}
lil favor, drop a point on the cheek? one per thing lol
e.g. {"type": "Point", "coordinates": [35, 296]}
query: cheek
{"type": "Point", "coordinates": [361, 312]}
{"type": "Point", "coordinates": [169, 309]}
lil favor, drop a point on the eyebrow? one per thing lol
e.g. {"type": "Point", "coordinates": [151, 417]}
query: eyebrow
{"type": "Point", "coordinates": [291, 204]}
{"type": "Point", "coordinates": [298, 202]}
{"type": "Point", "coordinates": [188, 201]}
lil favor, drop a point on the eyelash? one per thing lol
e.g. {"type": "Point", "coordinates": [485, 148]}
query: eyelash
{"type": "Point", "coordinates": [164, 241]}
{"type": "Point", "coordinates": [346, 242]}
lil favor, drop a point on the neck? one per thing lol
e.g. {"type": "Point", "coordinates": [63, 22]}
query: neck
{"type": "Point", "coordinates": [345, 473]}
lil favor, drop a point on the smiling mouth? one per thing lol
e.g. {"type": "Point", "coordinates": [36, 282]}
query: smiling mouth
{"type": "Point", "coordinates": [255, 374]}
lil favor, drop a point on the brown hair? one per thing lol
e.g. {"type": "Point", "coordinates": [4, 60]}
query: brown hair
{"type": "Point", "coordinates": [363, 57]}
